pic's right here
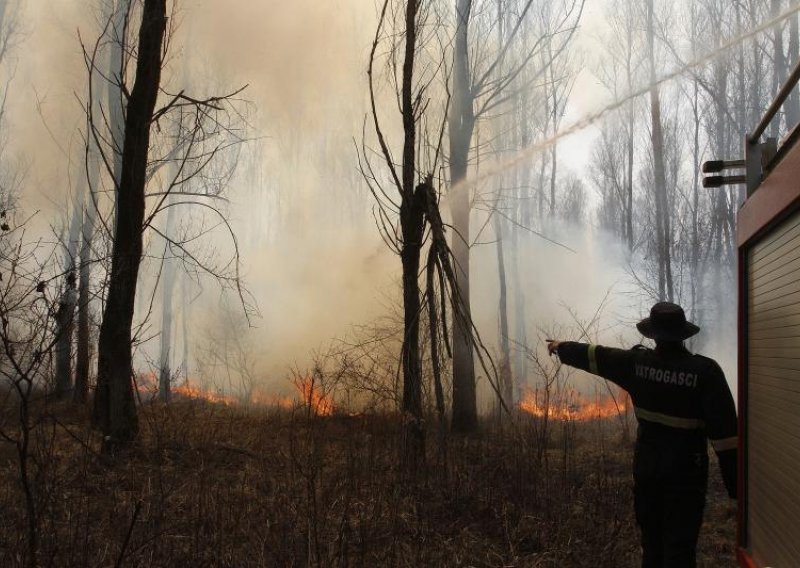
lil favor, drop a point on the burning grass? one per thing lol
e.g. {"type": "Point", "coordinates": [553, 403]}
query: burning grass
{"type": "Point", "coordinates": [573, 406]}
{"type": "Point", "coordinates": [309, 395]}
{"type": "Point", "coordinates": [217, 485]}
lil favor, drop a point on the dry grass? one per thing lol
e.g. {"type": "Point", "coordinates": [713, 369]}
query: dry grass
{"type": "Point", "coordinates": [216, 486]}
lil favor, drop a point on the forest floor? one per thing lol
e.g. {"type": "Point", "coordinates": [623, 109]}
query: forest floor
{"type": "Point", "coordinates": [210, 485]}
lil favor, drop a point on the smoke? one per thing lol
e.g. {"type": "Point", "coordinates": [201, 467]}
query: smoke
{"type": "Point", "coordinates": [303, 60]}
{"type": "Point", "coordinates": [587, 276]}
{"type": "Point", "coordinates": [313, 262]}
{"type": "Point", "coordinates": [44, 74]}
{"type": "Point", "coordinates": [557, 285]}
{"type": "Point", "coordinates": [312, 258]}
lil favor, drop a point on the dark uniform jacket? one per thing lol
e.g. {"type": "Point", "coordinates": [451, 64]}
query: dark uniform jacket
{"type": "Point", "coordinates": [679, 399]}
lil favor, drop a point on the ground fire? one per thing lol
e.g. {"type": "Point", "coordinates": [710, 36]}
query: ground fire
{"type": "Point", "coordinates": [572, 406]}
{"type": "Point", "coordinates": [309, 395]}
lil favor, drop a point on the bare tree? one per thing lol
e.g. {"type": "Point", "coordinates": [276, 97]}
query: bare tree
{"type": "Point", "coordinates": [114, 406]}
{"type": "Point", "coordinates": [169, 273]}
{"type": "Point", "coordinates": [114, 15]}
{"type": "Point", "coordinates": [143, 191]}
{"type": "Point", "coordinates": [663, 231]}
{"type": "Point", "coordinates": [615, 156]}
{"type": "Point", "coordinates": [86, 258]}
{"type": "Point", "coordinates": [477, 90]}
{"type": "Point", "coordinates": [28, 335]}
{"type": "Point", "coordinates": [411, 205]}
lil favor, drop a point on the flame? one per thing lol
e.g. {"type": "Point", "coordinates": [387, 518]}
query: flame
{"type": "Point", "coordinates": [573, 407]}
{"type": "Point", "coordinates": [309, 395]}
{"type": "Point", "coordinates": [193, 391]}
{"type": "Point", "coordinates": [317, 401]}
{"type": "Point", "coordinates": [147, 384]}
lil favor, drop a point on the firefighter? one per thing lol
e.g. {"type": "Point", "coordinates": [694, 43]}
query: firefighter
{"type": "Point", "coordinates": [680, 400]}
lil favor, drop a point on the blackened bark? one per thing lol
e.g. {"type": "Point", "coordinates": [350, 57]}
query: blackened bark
{"type": "Point", "coordinates": [412, 219]}
{"type": "Point", "coordinates": [461, 124]}
{"type": "Point", "coordinates": [64, 320]}
{"type": "Point", "coordinates": [411, 223]}
{"type": "Point", "coordinates": [433, 327]}
{"type": "Point", "coordinates": [114, 409]}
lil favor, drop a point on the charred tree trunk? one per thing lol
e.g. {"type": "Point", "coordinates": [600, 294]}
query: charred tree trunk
{"type": "Point", "coordinates": [411, 219]}
{"type": "Point", "coordinates": [114, 409]}
{"type": "Point", "coordinates": [412, 223]}
{"type": "Point", "coordinates": [65, 321]}
{"type": "Point", "coordinates": [461, 125]}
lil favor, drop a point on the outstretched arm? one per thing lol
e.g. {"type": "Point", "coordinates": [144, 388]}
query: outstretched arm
{"type": "Point", "coordinates": [615, 365]}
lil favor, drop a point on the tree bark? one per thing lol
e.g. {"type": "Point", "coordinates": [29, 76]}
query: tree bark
{"type": "Point", "coordinates": [665, 286]}
{"type": "Point", "coordinates": [696, 279]}
{"type": "Point", "coordinates": [461, 125]}
{"type": "Point", "coordinates": [525, 217]}
{"type": "Point", "coordinates": [66, 308]}
{"type": "Point", "coordinates": [719, 199]}
{"type": "Point", "coordinates": [168, 287]}
{"type": "Point", "coordinates": [82, 358]}
{"type": "Point", "coordinates": [412, 224]}
{"type": "Point", "coordinates": [114, 98]}
{"type": "Point", "coordinates": [506, 378]}
{"type": "Point", "coordinates": [629, 142]}
{"type": "Point", "coordinates": [185, 325]}
{"type": "Point", "coordinates": [65, 322]}
{"type": "Point", "coordinates": [114, 409]}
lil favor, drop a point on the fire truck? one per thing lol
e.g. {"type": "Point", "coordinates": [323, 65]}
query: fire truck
{"type": "Point", "coordinates": [768, 241]}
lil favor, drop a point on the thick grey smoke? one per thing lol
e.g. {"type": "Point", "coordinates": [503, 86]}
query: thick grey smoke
{"type": "Point", "coordinates": [312, 257]}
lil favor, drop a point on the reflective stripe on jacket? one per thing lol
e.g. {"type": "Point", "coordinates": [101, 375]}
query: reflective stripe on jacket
{"type": "Point", "coordinates": [673, 391]}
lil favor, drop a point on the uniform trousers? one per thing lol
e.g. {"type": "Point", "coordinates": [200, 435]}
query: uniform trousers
{"type": "Point", "coordinates": [669, 497]}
